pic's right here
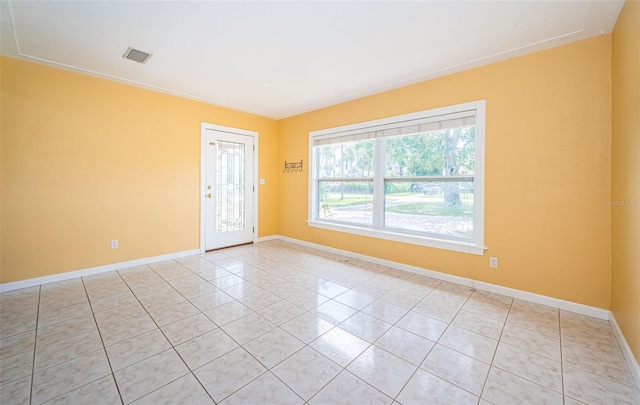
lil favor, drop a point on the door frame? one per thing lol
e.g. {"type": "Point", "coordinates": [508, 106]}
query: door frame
{"type": "Point", "coordinates": [204, 126]}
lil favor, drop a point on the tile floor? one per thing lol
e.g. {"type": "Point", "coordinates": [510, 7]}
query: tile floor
{"type": "Point", "coordinates": [276, 323]}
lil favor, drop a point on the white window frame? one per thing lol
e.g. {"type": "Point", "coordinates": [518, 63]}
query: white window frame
{"type": "Point", "coordinates": [475, 246]}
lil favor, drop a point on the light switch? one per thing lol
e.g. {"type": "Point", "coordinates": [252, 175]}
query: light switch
{"type": "Point", "coordinates": [261, 181]}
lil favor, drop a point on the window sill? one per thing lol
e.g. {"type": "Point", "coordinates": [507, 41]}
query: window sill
{"type": "Point", "coordinates": [465, 247]}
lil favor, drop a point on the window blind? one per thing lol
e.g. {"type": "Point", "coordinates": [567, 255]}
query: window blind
{"type": "Point", "coordinates": [427, 124]}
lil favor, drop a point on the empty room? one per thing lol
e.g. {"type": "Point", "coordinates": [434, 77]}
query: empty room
{"type": "Point", "coordinates": [320, 202]}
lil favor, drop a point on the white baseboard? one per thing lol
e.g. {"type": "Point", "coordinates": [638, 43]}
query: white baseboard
{"type": "Point", "coordinates": [268, 238]}
{"type": "Point", "coordinates": [626, 350]}
{"type": "Point", "coordinates": [16, 285]}
{"type": "Point", "coordinates": [511, 292]}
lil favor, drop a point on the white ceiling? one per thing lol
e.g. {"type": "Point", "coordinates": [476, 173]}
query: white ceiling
{"type": "Point", "coordinates": [279, 59]}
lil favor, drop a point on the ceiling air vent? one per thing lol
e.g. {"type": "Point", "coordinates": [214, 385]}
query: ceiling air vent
{"type": "Point", "coordinates": [136, 55]}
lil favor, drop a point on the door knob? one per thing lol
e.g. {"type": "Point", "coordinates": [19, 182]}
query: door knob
{"type": "Point", "coordinates": [208, 195]}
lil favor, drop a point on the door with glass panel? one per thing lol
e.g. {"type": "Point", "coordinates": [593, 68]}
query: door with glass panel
{"type": "Point", "coordinates": [229, 214]}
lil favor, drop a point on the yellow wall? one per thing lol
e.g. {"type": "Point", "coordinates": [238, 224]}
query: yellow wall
{"type": "Point", "coordinates": [625, 174]}
{"type": "Point", "coordinates": [548, 168]}
{"type": "Point", "coordinates": [86, 160]}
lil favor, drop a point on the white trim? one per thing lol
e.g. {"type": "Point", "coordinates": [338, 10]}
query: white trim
{"type": "Point", "coordinates": [437, 243]}
{"type": "Point", "coordinates": [377, 230]}
{"type": "Point", "coordinates": [255, 135]}
{"type": "Point", "coordinates": [626, 350]}
{"type": "Point", "coordinates": [16, 285]}
{"type": "Point", "coordinates": [480, 285]}
{"type": "Point", "coordinates": [268, 238]}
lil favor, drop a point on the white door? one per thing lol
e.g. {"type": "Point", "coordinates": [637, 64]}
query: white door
{"type": "Point", "coordinates": [229, 189]}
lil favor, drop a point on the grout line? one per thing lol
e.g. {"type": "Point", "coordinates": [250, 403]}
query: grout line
{"type": "Point", "coordinates": [35, 346]}
{"type": "Point", "coordinates": [104, 348]}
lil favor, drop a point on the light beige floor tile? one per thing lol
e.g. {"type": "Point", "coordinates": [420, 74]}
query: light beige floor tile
{"type": "Point", "coordinates": [456, 368]}
{"type": "Point", "coordinates": [306, 280]}
{"type": "Point", "coordinates": [225, 375]}
{"type": "Point", "coordinates": [184, 390]}
{"type": "Point", "coordinates": [67, 349]}
{"type": "Point", "coordinates": [482, 325]}
{"type": "Point", "coordinates": [354, 299]}
{"type": "Point", "coordinates": [101, 391]}
{"type": "Point", "coordinates": [340, 346]}
{"type": "Point", "coordinates": [210, 271]}
{"type": "Point", "coordinates": [385, 311]}
{"type": "Point", "coordinates": [276, 278]}
{"type": "Point", "coordinates": [119, 314]}
{"type": "Point", "coordinates": [16, 367]}
{"type": "Point", "coordinates": [205, 348]}
{"type": "Point", "coordinates": [194, 288]}
{"type": "Point", "coordinates": [246, 329]}
{"type": "Point", "coordinates": [424, 326]}
{"type": "Point", "coordinates": [438, 309]}
{"type": "Point", "coordinates": [17, 344]}
{"type": "Point", "coordinates": [17, 326]}
{"type": "Point", "coordinates": [401, 298]}
{"type": "Point", "coordinates": [308, 299]}
{"type": "Point", "coordinates": [227, 281]}
{"type": "Point", "coordinates": [264, 390]}
{"type": "Point", "coordinates": [188, 328]}
{"type": "Point", "coordinates": [574, 321]}
{"type": "Point", "coordinates": [503, 388]}
{"type": "Point", "coordinates": [603, 359]}
{"type": "Point", "coordinates": [470, 343]}
{"type": "Point", "coordinates": [238, 291]}
{"type": "Point", "coordinates": [593, 389]}
{"type": "Point", "coordinates": [307, 327]}
{"type": "Point", "coordinates": [111, 301]}
{"type": "Point", "coordinates": [145, 289]}
{"type": "Point", "coordinates": [210, 301]}
{"type": "Point", "coordinates": [260, 299]}
{"type": "Point", "coordinates": [571, 401]}
{"type": "Point", "coordinates": [382, 370]}
{"type": "Point", "coordinates": [159, 301]}
{"type": "Point", "coordinates": [539, 318]}
{"type": "Point", "coordinates": [64, 330]}
{"type": "Point", "coordinates": [329, 289]}
{"type": "Point", "coordinates": [61, 314]}
{"type": "Point", "coordinates": [425, 388]}
{"type": "Point", "coordinates": [365, 326]}
{"type": "Point", "coordinates": [229, 312]}
{"type": "Point", "coordinates": [531, 341]}
{"type": "Point", "coordinates": [130, 351]}
{"type": "Point", "coordinates": [334, 312]}
{"type": "Point", "coordinates": [406, 345]}
{"type": "Point", "coordinates": [173, 272]}
{"type": "Point", "coordinates": [117, 332]}
{"type": "Point", "coordinates": [173, 313]}
{"type": "Point", "coordinates": [149, 375]}
{"type": "Point", "coordinates": [347, 389]}
{"type": "Point", "coordinates": [306, 372]}
{"type": "Point", "coordinates": [286, 289]}
{"type": "Point", "coordinates": [16, 392]}
{"type": "Point", "coordinates": [489, 305]}
{"type": "Point", "coordinates": [423, 280]}
{"type": "Point", "coordinates": [55, 381]}
{"type": "Point", "coordinates": [273, 347]}
{"type": "Point", "coordinates": [529, 366]}
{"type": "Point", "coordinates": [281, 312]}
{"type": "Point", "coordinates": [53, 302]}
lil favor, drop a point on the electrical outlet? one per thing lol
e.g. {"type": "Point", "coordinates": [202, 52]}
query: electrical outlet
{"type": "Point", "coordinates": [493, 262]}
{"type": "Point", "coordinates": [114, 244]}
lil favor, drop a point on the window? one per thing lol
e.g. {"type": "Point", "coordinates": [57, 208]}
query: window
{"type": "Point", "coordinates": [415, 178]}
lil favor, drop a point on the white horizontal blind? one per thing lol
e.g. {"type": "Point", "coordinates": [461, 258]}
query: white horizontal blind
{"type": "Point", "coordinates": [427, 124]}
